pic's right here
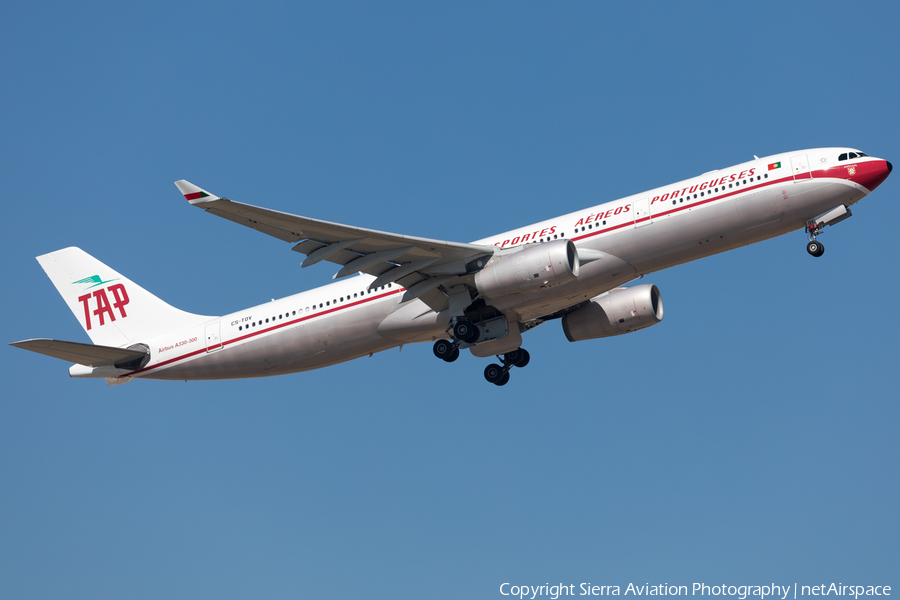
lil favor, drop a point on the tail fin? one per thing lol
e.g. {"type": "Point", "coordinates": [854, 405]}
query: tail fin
{"type": "Point", "coordinates": [113, 310]}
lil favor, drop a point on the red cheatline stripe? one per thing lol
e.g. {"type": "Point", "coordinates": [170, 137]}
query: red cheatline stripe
{"type": "Point", "coordinates": [195, 195]}
{"type": "Point", "coordinates": [262, 331]}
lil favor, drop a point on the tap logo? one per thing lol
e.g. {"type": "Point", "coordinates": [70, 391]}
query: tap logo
{"type": "Point", "coordinates": [851, 170]}
{"type": "Point", "coordinates": [94, 279]}
{"type": "Point", "coordinates": [97, 303]}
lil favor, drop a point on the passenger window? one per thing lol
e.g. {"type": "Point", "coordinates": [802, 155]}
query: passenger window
{"type": "Point", "coordinates": [604, 222]}
{"type": "Point", "coordinates": [766, 175]}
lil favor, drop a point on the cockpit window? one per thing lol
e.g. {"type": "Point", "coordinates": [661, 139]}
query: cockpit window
{"type": "Point", "coordinates": [849, 155]}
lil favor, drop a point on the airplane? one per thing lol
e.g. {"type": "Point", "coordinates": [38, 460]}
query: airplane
{"type": "Point", "coordinates": [393, 290]}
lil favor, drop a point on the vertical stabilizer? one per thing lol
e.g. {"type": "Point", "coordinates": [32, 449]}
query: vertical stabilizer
{"type": "Point", "coordinates": [113, 310]}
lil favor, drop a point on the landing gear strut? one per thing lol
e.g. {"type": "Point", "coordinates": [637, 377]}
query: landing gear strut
{"type": "Point", "coordinates": [499, 374]}
{"type": "Point", "coordinates": [814, 247]}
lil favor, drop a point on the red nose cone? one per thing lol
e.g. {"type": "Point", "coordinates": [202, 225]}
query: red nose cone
{"type": "Point", "coordinates": [870, 174]}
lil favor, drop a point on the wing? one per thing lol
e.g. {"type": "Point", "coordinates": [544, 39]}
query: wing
{"type": "Point", "coordinates": [418, 264]}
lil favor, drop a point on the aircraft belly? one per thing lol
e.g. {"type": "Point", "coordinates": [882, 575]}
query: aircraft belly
{"type": "Point", "coordinates": [801, 201]}
{"type": "Point", "coordinates": [414, 322]}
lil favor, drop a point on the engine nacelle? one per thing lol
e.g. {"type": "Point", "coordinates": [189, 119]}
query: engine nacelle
{"type": "Point", "coordinates": [531, 269]}
{"type": "Point", "coordinates": [619, 311]}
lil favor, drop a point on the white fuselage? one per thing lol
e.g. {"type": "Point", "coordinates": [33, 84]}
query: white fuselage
{"type": "Point", "coordinates": [643, 233]}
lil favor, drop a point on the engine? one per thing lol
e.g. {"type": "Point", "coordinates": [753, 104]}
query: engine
{"type": "Point", "coordinates": [537, 267]}
{"type": "Point", "coordinates": [618, 311]}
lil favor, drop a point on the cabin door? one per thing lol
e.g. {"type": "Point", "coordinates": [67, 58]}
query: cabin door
{"type": "Point", "coordinates": [642, 212]}
{"type": "Point", "coordinates": [800, 167]}
{"type": "Point", "coordinates": [213, 339]}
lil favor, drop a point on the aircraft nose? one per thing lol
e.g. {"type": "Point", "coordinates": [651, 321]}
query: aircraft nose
{"type": "Point", "coordinates": [870, 174]}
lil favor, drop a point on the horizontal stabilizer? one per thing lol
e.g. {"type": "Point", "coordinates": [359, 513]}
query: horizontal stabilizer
{"type": "Point", "coordinates": [89, 355]}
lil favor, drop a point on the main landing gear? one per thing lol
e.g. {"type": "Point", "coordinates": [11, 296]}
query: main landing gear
{"type": "Point", "coordinates": [466, 333]}
{"type": "Point", "coordinates": [446, 350]}
{"type": "Point", "coordinates": [814, 247]}
{"type": "Point", "coordinates": [463, 331]}
{"type": "Point", "coordinates": [499, 374]}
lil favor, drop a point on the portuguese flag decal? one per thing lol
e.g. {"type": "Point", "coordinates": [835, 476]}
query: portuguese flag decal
{"type": "Point", "coordinates": [771, 166]}
{"type": "Point", "coordinates": [198, 195]}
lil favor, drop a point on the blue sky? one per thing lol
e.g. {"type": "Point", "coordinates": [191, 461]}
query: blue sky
{"type": "Point", "coordinates": [749, 438]}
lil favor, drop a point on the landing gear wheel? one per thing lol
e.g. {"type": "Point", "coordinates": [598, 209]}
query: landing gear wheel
{"type": "Point", "coordinates": [495, 374]}
{"type": "Point", "coordinates": [443, 349]}
{"type": "Point", "coordinates": [453, 355]}
{"type": "Point", "coordinates": [504, 380]}
{"type": "Point", "coordinates": [517, 358]}
{"type": "Point", "coordinates": [465, 331]}
{"type": "Point", "coordinates": [815, 248]}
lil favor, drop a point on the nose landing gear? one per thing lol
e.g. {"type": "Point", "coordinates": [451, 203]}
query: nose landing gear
{"type": "Point", "coordinates": [814, 247]}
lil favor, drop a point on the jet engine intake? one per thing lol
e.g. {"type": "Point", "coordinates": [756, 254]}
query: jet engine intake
{"type": "Point", "coordinates": [537, 267]}
{"type": "Point", "coordinates": [618, 311]}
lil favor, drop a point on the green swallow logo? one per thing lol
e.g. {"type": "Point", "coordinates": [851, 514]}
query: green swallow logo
{"type": "Point", "coordinates": [95, 279]}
